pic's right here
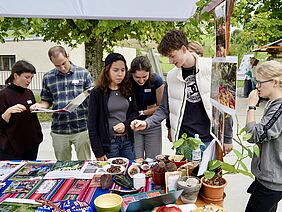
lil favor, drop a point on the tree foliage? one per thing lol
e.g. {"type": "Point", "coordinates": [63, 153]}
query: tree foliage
{"type": "Point", "coordinates": [98, 35]}
{"type": "Point", "coordinates": [262, 19]}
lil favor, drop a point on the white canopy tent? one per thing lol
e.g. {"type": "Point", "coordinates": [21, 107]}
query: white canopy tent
{"type": "Point", "coordinates": [162, 10]}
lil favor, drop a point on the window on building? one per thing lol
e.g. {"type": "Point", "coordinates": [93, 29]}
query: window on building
{"type": "Point", "coordinates": [6, 62]}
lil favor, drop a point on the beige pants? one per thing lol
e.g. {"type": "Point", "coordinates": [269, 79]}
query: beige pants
{"type": "Point", "coordinates": [62, 145]}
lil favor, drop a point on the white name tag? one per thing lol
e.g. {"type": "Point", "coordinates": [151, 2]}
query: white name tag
{"type": "Point", "coordinates": [75, 82]}
{"type": "Point", "coordinates": [29, 102]}
{"type": "Point", "coordinates": [147, 90]}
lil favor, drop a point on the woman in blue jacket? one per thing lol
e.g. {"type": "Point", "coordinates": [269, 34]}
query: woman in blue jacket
{"type": "Point", "coordinates": [111, 109]}
{"type": "Point", "coordinates": [148, 88]}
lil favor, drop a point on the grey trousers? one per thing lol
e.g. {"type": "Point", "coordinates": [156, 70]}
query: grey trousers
{"type": "Point", "coordinates": [62, 145]}
{"type": "Point", "coordinates": [148, 143]}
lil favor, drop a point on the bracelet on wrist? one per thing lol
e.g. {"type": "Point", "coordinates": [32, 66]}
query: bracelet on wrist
{"type": "Point", "coordinates": [252, 108]}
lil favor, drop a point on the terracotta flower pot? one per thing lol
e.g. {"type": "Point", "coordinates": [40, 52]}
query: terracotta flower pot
{"type": "Point", "coordinates": [214, 201]}
{"type": "Point", "coordinates": [211, 191]}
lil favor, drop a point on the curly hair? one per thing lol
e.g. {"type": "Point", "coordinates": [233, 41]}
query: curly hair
{"type": "Point", "coordinates": [173, 40]}
{"type": "Point", "coordinates": [104, 81]}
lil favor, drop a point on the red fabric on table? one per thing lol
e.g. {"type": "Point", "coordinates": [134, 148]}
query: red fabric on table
{"type": "Point", "coordinates": [63, 190]}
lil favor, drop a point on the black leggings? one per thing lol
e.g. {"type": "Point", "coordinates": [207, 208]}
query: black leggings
{"type": "Point", "coordinates": [262, 199]}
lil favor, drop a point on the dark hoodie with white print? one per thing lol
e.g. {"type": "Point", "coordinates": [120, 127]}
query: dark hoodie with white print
{"type": "Point", "coordinates": [267, 134]}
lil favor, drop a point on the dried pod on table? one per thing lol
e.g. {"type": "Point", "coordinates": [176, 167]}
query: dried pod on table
{"type": "Point", "coordinates": [106, 181]}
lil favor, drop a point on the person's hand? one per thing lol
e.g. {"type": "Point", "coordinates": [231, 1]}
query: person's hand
{"type": "Point", "coordinates": [119, 128]}
{"type": "Point", "coordinates": [227, 148]}
{"type": "Point", "coordinates": [169, 135]}
{"type": "Point", "coordinates": [253, 98]}
{"type": "Point", "coordinates": [138, 125]}
{"type": "Point", "coordinates": [34, 107]}
{"type": "Point", "coordinates": [103, 158]}
{"type": "Point", "coordinates": [18, 108]}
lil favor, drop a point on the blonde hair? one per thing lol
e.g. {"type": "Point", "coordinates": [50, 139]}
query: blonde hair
{"type": "Point", "coordinates": [270, 70]}
{"type": "Point", "coordinates": [196, 47]}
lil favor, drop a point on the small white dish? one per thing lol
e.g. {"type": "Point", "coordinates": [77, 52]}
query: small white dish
{"type": "Point", "coordinates": [118, 161]}
{"type": "Point", "coordinates": [114, 169]}
{"type": "Point", "coordinates": [132, 170]}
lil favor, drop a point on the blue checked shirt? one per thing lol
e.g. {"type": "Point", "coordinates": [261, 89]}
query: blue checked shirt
{"type": "Point", "coordinates": [59, 89]}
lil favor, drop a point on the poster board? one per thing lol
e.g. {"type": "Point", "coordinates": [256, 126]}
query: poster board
{"type": "Point", "coordinates": [223, 93]}
{"type": "Point", "coordinates": [220, 28]}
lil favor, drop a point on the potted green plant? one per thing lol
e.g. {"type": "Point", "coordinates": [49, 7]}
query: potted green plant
{"type": "Point", "coordinates": [190, 185]}
{"type": "Point", "coordinates": [185, 145]}
{"type": "Point", "coordinates": [213, 177]}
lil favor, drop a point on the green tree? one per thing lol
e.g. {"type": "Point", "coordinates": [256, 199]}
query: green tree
{"type": "Point", "coordinates": [98, 35]}
{"type": "Point", "coordinates": [262, 19]}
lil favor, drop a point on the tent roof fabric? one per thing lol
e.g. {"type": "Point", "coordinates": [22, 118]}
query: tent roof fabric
{"type": "Point", "coordinates": [161, 10]}
{"type": "Point", "coordinates": [273, 47]}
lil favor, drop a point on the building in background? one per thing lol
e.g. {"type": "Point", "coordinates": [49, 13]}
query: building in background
{"type": "Point", "coordinates": [35, 51]}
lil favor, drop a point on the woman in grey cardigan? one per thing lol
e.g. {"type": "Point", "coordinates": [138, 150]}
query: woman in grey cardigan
{"type": "Point", "coordinates": [266, 190]}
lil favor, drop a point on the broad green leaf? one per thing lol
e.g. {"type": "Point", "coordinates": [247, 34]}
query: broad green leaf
{"type": "Point", "coordinates": [247, 136]}
{"type": "Point", "coordinates": [256, 150]}
{"type": "Point", "coordinates": [242, 130]}
{"type": "Point", "coordinates": [238, 154]}
{"type": "Point", "coordinates": [178, 143]}
{"type": "Point", "coordinates": [246, 173]}
{"type": "Point", "coordinates": [229, 168]}
{"type": "Point", "coordinates": [209, 174]}
{"type": "Point", "coordinates": [184, 136]}
{"type": "Point", "coordinates": [250, 153]}
{"type": "Point", "coordinates": [243, 165]}
{"type": "Point", "coordinates": [214, 164]}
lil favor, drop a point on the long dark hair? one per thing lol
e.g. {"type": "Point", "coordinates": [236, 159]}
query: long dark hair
{"type": "Point", "coordinates": [104, 81]}
{"type": "Point", "coordinates": [18, 68]}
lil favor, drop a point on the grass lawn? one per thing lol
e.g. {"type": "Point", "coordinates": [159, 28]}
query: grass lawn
{"type": "Point", "coordinates": [166, 67]}
{"type": "Point", "coordinates": [43, 117]}
{"type": "Point", "coordinates": [240, 83]}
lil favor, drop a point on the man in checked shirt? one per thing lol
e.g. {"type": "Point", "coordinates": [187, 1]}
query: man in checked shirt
{"type": "Point", "coordinates": [60, 86]}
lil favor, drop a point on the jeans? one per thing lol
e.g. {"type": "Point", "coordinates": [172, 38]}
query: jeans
{"type": "Point", "coordinates": [121, 146]}
{"type": "Point", "coordinates": [262, 199]}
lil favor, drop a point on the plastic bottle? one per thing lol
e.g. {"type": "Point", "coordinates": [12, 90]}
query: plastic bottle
{"type": "Point", "coordinates": [197, 154]}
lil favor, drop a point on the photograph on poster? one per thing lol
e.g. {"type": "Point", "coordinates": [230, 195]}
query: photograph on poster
{"type": "Point", "coordinates": [223, 84]}
{"type": "Point", "coordinates": [220, 23]}
{"type": "Point", "coordinates": [217, 128]}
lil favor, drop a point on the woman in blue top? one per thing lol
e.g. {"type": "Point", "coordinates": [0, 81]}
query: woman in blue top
{"type": "Point", "coordinates": [148, 88]}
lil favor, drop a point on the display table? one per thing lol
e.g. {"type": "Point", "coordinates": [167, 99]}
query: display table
{"type": "Point", "coordinates": [28, 181]}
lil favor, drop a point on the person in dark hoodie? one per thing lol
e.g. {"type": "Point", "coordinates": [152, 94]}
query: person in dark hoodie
{"type": "Point", "coordinates": [111, 109]}
{"type": "Point", "coordinates": [20, 130]}
{"type": "Point", "coordinates": [266, 190]}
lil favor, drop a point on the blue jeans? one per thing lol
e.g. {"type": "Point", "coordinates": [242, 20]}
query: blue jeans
{"type": "Point", "coordinates": [121, 146]}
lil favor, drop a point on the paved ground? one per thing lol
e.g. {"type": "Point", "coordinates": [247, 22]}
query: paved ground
{"type": "Point", "coordinates": [236, 195]}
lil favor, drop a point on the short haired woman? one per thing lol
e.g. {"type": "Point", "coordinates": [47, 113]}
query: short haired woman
{"type": "Point", "coordinates": [20, 130]}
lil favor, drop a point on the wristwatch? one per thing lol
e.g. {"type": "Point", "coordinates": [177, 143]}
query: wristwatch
{"type": "Point", "coordinates": [141, 113]}
{"type": "Point", "coordinates": [252, 108]}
